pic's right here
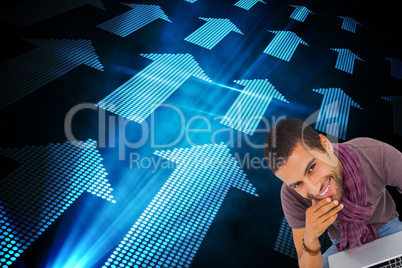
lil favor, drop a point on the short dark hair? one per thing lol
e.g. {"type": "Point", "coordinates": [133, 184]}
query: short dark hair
{"type": "Point", "coordinates": [284, 137]}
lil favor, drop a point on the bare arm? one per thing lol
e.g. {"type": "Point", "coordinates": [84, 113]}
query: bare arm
{"type": "Point", "coordinates": [318, 218]}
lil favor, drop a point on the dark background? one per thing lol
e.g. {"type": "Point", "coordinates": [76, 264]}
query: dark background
{"type": "Point", "coordinates": [245, 229]}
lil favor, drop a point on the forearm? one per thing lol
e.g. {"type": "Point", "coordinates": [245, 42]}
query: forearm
{"type": "Point", "coordinates": [308, 261]}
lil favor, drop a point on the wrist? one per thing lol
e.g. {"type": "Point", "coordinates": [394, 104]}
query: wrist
{"type": "Point", "coordinates": [312, 247]}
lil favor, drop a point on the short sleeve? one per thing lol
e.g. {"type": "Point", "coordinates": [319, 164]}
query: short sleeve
{"type": "Point", "coordinates": [392, 166]}
{"type": "Point", "coordinates": [294, 207]}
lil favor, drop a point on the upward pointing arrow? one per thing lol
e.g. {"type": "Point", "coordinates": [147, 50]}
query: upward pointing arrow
{"type": "Point", "coordinates": [333, 117]}
{"type": "Point", "coordinates": [300, 13]}
{"type": "Point", "coordinates": [247, 4]}
{"type": "Point", "coordinates": [131, 21]}
{"type": "Point", "coordinates": [284, 45]}
{"type": "Point", "coordinates": [52, 59]}
{"type": "Point", "coordinates": [346, 59]}
{"type": "Point", "coordinates": [49, 179]}
{"type": "Point", "coordinates": [34, 11]}
{"type": "Point", "coordinates": [137, 98]}
{"type": "Point", "coordinates": [349, 24]}
{"type": "Point", "coordinates": [248, 109]}
{"type": "Point", "coordinates": [176, 221]}
{"type": "Point", "coordinates": [212, 32]}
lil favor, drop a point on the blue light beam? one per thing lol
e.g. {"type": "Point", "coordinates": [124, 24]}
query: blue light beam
{"type": "Point", "coordinates": [284, 45]}
{"type": "Point", "coordinates": [131, 21]}
{"type": "Point", "coordinates": [248, 109]}
{"type": "Point", "coordinates": [173, 226]}
{"type": "Point", "coordinates": [333, 117]}
{"type": "Point", "coordinates": [137, 98]}
{"type": "Point", "coordinates": [212, 32]}
{"type": "Point", "coordinates": [52, 59]}
{"type": "Point", "coordinates": [49, 179]}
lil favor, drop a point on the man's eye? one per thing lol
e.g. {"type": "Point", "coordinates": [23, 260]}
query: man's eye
{"type": "Point", "coordinates": [296, 185]}
{"type": "Point", "coordinates": [311, 168]}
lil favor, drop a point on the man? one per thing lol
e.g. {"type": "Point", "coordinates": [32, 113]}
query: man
{"type": "Point", "coordinates": [334, 187]}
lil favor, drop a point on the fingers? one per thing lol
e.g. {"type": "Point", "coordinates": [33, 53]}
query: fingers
{"type": "Point", "coordinates": [324, 209]}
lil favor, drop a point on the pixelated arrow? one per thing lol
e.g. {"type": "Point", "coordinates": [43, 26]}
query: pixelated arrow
{"type": "Point", "coordinates": [131, 21]}
{"type": "Point", "coordinates": [346, 59]}
{"type": "Point", "coordinates": [247, 4]}
{"type": "Point", "coordinates": [49, 179]}
{"type": "Point", "coordinates": [34, 11]}
{"type": "Point", "coordinates": [284, 45]}
{"type": "Point", "coordinates": [334, 113]}
{"type": "Point", "coordinates": [248, 109]}
{"type": "Point", "coordinates": [212, 32]}
{"type": "Point", "coordinates": [397, 112]}
{"type": "Point", "coordinates": [52, 59]}
{"type": "Point", "coordinates": [349, 24]}
{"type": "Point", "coordinates": [300, 13]}
{"type": "Point", "coordinates": [137, 98]}
{"type": "Point", "coordinates": [172, 227]}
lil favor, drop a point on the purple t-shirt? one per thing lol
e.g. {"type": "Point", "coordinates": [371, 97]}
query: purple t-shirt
{"type": "Point", "coordinates": [381, 164]}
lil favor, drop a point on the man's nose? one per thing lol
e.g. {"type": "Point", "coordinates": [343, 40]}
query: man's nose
{"type": "Point", "coordinates": [313, 184]}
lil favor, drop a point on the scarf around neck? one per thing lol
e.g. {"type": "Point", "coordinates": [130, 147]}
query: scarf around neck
{"type": "Point", "coordinates": [353, 228]}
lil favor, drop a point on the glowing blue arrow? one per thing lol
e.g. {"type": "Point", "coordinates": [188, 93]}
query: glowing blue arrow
{"type": "Point", "coordinates": [248, 109]}
{"type": "Point", "coordinates": [284, 45]}
{"type": "Point", "coordinates": [134, 19]}
{"type": "Point", "coordinates": [49, 179]}
{"type": "Point", "coordinates": [172, 227]}
{"type": "Point", "coordinates": [300, 13]}
{"type": "Point", "coordinates": [142, 94]}
{"type": "Point", "coordinates": [31, 12]}
{"type": "Point", "coordinates": [32, 70]}
{"type": "Point", "coordinates": [397, 111]}
{"type": "Point", "coordinates": [247, 4]}
{"type": "Point", "coordinates": [396, 67]}
{"type": "Point", "coordinates": [349, 24]}
{"type": "Point", "coordinates": [346, 59]}
{"type": "Point", "coordinates": [334, 112]}
{"type": "Point", "coordinates": [212, 32]}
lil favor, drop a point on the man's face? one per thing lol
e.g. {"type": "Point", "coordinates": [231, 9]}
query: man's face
{"type": "Point", "coordinates": [312, 173]}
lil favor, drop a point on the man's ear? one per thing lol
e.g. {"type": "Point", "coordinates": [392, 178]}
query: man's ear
{"type": "Point", "coordinates": [326, 144]}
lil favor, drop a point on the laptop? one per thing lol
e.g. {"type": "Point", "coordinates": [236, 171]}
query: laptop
{"type": "Point", "coordinates": [383, 252]}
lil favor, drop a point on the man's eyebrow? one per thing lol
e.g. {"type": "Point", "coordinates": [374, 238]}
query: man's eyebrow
{"type": "Point", "coordinates": [305, 172]}
{"type": "Point", "coordinates": [308, 166]}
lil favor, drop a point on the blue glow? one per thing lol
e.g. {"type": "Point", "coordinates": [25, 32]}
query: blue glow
{"type": "Point", "coordinates": [349, 24]}
{"type": "Point", "coordinates": [247, 4]}
{"type": "Point", "coordinates": [284, 45]}
{"type": "Point", "coordinates": [212, 32]}
{"type": "Point", "coordinates": [48, 181]}
{"type": "Point", "coordinates": [248, 109]}
{"type": "Point", "coordinates": [346, 59]}
{"type": "Point", "coordinates": [300, 13]}
{"type": "Point", "coordinates": [131, 21]}
{"type": "Point", "coordinates": [396, 67]}
{"type": "Point", "coordinates": [142, 94]}
{"type": "Point", "coordinates": [52, 59]}
{"type": "Point", "coordinates": [30, 12]}
{"type": "Point", "coordinates": [334, 112]}
{"type": "Point", "coordinates": [176, 221]}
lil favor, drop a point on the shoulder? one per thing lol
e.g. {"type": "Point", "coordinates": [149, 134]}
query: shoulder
{"type": "Point", "coordinates": [364, 143]}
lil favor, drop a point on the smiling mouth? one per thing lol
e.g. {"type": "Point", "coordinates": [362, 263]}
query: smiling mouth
{"type": "Point", "coordinates": [327, 190]}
